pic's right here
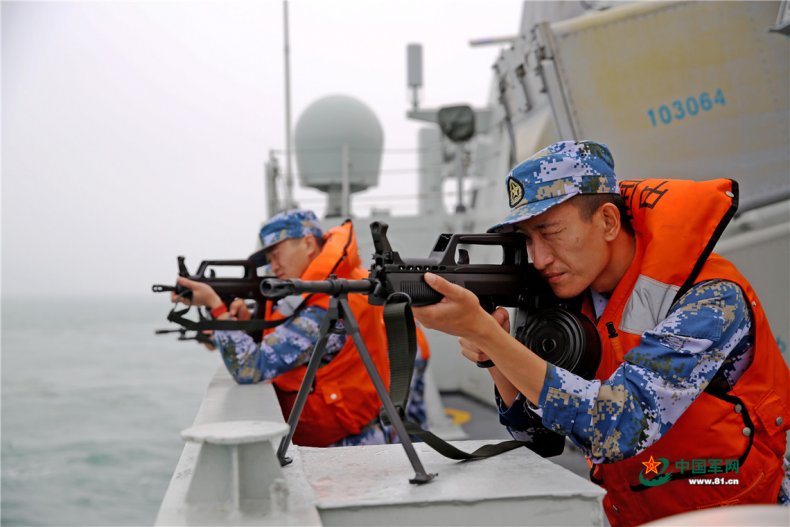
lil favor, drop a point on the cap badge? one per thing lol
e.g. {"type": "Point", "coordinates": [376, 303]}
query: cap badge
{"type": "Point", "coordinates": [515, 191]}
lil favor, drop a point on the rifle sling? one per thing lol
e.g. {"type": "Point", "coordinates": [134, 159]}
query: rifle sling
{"type": "Point", "coordinates": [177, 316]}
{"type": "Point", "coordinates": [402, 342]}
{"type": "Point", "coordinates": [449, 451]}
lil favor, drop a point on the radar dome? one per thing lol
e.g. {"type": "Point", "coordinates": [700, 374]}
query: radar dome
{"type": "Point", "coordinates": [323, 129]}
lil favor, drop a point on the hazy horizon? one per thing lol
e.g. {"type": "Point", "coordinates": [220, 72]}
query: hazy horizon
{"type": "Point", "coordinates": [135, 132]}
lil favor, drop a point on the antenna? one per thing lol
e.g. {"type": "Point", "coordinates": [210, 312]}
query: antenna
{"type": "Point", "coordinates": [492, 41]}
{"type": "Point", "coordinates": [414, 72]}
{"type": "Point", "coordinates": [289, 182]}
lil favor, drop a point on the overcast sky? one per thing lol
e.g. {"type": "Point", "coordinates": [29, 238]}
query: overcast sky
{"type": "Point", "coordinates": [134, 132]}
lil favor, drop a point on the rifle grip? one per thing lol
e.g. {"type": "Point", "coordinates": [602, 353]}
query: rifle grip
{"type": "Point", "coordinates": [420, 293]}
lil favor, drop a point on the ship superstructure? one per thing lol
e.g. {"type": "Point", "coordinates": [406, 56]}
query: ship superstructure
{"type": "Point", "coordinates": [676, 89]}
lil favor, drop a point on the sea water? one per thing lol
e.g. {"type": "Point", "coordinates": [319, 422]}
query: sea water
{"type": "Point", "coordinates": [92, 406]}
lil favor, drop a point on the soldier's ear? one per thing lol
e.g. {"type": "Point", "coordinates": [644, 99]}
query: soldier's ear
{"type": "Point", "coordinates": [313, 248]}
{"type": "Point", "coordinates": [611, 221]}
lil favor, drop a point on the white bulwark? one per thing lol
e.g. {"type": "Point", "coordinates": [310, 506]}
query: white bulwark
{"type": "Point", "coordinates": [229, 479]}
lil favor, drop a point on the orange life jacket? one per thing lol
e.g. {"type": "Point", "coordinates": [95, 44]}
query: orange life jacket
{"type": "Point", "coordinates": [344, 399]}
{"type": "Point", "coordinates": [423, 349]}
{"type": "Point", "coordinates": [677, 223]}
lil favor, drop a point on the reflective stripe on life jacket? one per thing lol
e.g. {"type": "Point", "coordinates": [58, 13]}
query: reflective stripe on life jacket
{"type": "Point", "coordinates": [677, 223]}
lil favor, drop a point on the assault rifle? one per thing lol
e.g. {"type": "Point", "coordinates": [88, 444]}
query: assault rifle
{"type": "Point", "coordinates": [247, 286]}
{"type": "Point", "coordinates": [551, 327]}
{"type": "Point", "coordinates": [495, 284]}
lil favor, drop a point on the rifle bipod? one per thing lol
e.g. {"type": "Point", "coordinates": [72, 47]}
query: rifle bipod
{"type": "Point", "coordinates": [339, 310]}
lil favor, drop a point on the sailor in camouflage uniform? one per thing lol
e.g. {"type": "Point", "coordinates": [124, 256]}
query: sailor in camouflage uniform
{"type": "Point", "coordinates": [294, 242]}
{"type": "Point", "coordinates": [689, 366]}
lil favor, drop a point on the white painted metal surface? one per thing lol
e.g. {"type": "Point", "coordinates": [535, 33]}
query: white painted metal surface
{"type": "Point", "coordinates": [691, 90]}
{"type": "Point", "coordinates": [237, 472]}
{"type": "Point", "coordinates": [228, 475]}
{"type": "Point", "coordinates": [319, 154]}
{"type": "Point", "coordinates": [368, 486]}
{"type": "Point", "coordinates": [202, 490]}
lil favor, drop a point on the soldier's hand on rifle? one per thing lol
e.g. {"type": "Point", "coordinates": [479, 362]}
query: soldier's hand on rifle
{"type": "Point", "coordinates": [507, 391]}
{"type": "Point", "coordinates": [472, 352]}
{"type": "Point", "coordinates": [202, 294]}
{"type": "Point", "coordinates": [458, 313]}
{"type": "Point", "coordinates": [238, 309]}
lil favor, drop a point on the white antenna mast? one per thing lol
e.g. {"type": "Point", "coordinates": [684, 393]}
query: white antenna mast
{"type": "Point", "coordinates": [289, 183]}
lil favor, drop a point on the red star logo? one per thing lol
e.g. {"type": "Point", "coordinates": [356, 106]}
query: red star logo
{"type": "Point", "coordinates": [651, 466]}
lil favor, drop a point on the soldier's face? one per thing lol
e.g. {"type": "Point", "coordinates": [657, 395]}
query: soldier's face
{"type": "Point", "coordinates": [290, 258]}
{"type": "Point", "coordinates": [571, 253]}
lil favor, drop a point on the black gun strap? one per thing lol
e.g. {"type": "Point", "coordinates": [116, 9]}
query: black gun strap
{"type": "Point", "coordinates": [402, 342]}
{"type": "Point", "coordinates": [449, 451]}
{"type": "Point", "coordinates": [177, 316]}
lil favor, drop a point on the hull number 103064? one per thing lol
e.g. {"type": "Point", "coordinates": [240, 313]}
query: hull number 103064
{"type": "Point", "coordinates": [691, 106]}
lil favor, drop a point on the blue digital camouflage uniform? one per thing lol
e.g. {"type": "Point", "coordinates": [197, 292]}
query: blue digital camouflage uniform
{"type": "Point", "coordinates": [415, 408]}
{"type": "Point", "coordinates": [287, 347]}
{"type": "Point", "coordinates": [556, 174]}
{"type": "Point", "coordinates": [705, 336]}
{"type": "Point", "coordinates": [289, 224]}
{"type": "Point", "coordinates": [284, 349]}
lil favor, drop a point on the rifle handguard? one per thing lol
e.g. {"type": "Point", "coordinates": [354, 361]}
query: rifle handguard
{"type": "Point", "coordinates": [276, 288]}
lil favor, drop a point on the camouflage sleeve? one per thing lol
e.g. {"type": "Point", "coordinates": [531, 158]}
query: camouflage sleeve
{"type": "Point", "coordinates": [286, 348]}
{"type": "Point", "coordinates": [523, 421]}
{"type": "Point", "coordinates": [707, 330]}
{"type": "Point", "coordinates": [415, 409]}
{"type": "Point", "coordinates": [784, 490]}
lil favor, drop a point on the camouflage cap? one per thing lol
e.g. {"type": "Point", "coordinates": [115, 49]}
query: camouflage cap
{"type": "Point", "coordinates": [289, 224]}
{"type": "Point", "coordinates": [555, 174]}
